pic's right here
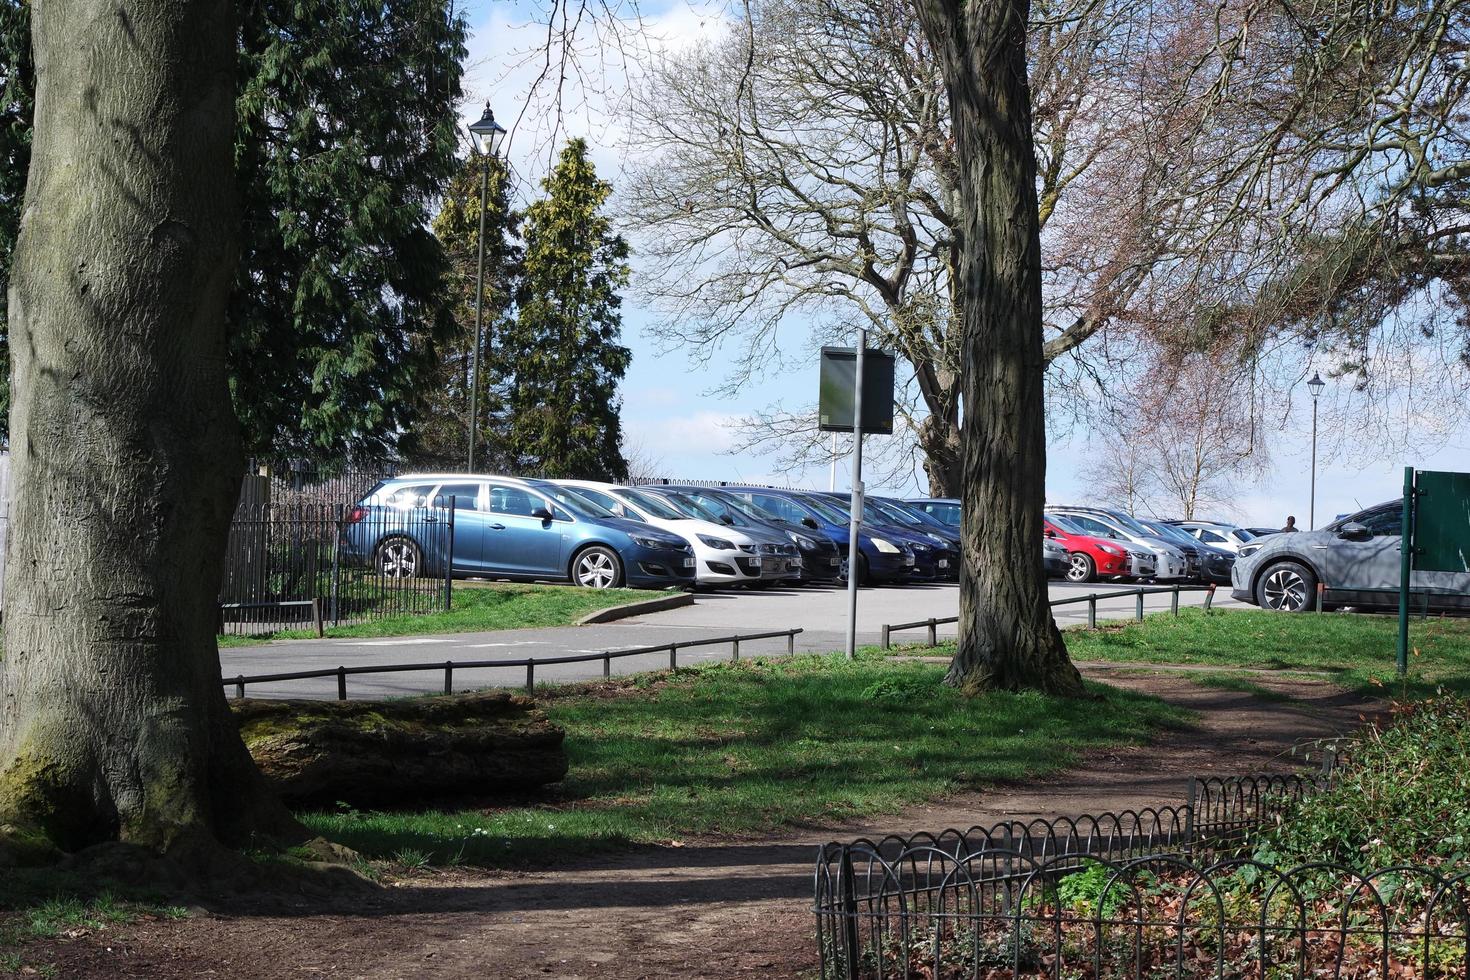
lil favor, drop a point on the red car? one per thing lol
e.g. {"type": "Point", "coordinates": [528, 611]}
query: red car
{"type": "Point", "coordinates": [1091, 557]}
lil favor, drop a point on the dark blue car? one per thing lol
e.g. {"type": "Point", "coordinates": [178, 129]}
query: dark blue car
{"type": "Point", "coordinates": [510, 528]}
{"type": "Point", "coordinates": [881, 558]}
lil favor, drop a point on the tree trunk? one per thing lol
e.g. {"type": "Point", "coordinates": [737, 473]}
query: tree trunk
{"type": "Point", "coordinates": [125, 455]}
{"type": "Point", "coordinates": [1007, 637]}
{"type": "Point", "coordinates": [940, 441]}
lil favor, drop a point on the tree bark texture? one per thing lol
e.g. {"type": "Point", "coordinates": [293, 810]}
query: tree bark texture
{"type": "Point", "coordinates": [113, 723]}
{"type": "Point", "coordinates": [1007, 636]}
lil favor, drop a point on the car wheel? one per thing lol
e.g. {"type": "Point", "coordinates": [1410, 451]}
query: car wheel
{"type": "Point", "coordinates": [1287, 586]}
{"type": "Point", "coordinates": [597, 568]}
{"type": "Point", "coordinates": [1081, 569]}
{"type": "Point", "coordinates": [399, 558]}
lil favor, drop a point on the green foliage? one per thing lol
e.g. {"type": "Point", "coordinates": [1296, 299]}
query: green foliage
{"type": "Point", "coordinates": [743, 747]}
{"type": "Point", "coordinates": [1399, 799]}
{"type": "Point", "coordinates": [437, 437]}
{"type": "Point", "coordinates": [346, 136]}
{"type": "Point", "coordinates": [565, 356]}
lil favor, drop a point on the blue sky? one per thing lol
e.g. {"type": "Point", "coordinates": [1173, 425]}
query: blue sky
{"type": "Point", "coordinates": [669, 412]}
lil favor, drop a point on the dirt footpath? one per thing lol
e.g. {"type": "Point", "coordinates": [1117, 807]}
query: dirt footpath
{"type": "Point", "coordinates": [708, 909]}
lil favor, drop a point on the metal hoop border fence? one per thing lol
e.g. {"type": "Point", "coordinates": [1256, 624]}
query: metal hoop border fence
{"type": "Point", "coordinates": [530, 664]}
{"type": "Point", "coordinates": [1091, 599]}
{"type": "Point", "coordinates": [926, 905]}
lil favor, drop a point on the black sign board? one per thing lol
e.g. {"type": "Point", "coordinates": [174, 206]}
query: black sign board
{"type": "Point", "coordinates": [839, 374]}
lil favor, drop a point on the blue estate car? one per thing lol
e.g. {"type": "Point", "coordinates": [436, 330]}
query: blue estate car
{"type": "Point", "coordinates": [510, 528]}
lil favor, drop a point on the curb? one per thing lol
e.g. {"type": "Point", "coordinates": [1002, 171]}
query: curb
{"type": "Point", "coordinates": [637, 609]}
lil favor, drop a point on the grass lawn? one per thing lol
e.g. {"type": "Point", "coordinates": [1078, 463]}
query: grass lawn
{"type": "Point", "coordinates": [477, 607]}
{"type": "Point", "coordinates": [1357, 650]}
{"type": "Point", "coordinates": [742, 748]}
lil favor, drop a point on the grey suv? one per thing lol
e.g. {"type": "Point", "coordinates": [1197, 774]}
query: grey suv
{"type": "Point", "coordinates": [1355, 560]}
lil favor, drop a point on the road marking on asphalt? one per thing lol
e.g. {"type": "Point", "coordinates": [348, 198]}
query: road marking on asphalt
{"type": "Point", "coordinates": [511, 643]}
{"type": "Point", "coordinates": [400, 642]}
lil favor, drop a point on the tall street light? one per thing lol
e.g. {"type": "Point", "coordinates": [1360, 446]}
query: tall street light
{"type": "Point", "coordinates": [1315, 386]}
{"type": "Point", "coordinates": [487, 135]}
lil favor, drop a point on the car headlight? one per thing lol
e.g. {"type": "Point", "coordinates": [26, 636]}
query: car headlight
{"type": "Point", "coordinates": [1249, 550]}
{"type": "Point", "coordinates": [719, 544]}
{"type": "Point", "coordinates": [1108, 549]}
{"type": "Point", "coordinates": [660, 544]}
{"type": "Point", "coordinates": [921, 548]}
{"type": "Point", "coordinates": [803, 542]}
{"type": "Point", "coordinates": [885, 546]}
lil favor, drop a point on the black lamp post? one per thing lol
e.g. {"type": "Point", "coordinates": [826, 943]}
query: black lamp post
{"type": "Point", "coordinates": [1315, 386]}
{"type": "Point", "coordinates": [487, 135]}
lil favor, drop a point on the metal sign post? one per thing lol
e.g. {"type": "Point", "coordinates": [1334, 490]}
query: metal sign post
{"type": "Point", "coordinates": [1406, 564]}
{"type": "Point", "coordinates": [855, 517]}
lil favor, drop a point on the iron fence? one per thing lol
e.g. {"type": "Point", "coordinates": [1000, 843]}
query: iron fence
{"type": "Point", "coordinates": [932, 624]}
{"type": "Point", "coordinates": [305, 564]}
{"type": "Point", "coordinates": [1159, 892]}
{"type": "Point", "coordinates": [529, 664]}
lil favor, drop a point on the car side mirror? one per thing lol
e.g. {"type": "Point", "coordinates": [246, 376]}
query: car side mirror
{"type": "Point", "coordinates": [1050, 533]}
{"type": "Point", "coordinates": [1353, 531]}
{"type": "Point", "coordinates": [809, 522]}
{"type": "Point", "coordinates": [541, 514]}
{"type": "Point", "coordinates": [727, 520]}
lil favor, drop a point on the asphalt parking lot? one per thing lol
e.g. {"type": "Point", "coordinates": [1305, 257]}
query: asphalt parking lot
{"type": "Point", "coordinates": [820, 613]}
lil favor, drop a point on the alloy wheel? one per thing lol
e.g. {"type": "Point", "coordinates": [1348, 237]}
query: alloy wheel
{"type": "Point", "coordinates": [1285, 590]}
{"type": "Point", "coordinates": [398, 559]}
{"type": "Point", "coordinates": [595, 570]}
{"type": "Point", "coordinates": [1079, 569]}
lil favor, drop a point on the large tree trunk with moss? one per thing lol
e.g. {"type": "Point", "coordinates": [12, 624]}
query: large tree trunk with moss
{"type": "Point", "coordinates": [1007, 637]}
{"type": "Point", "coordinates": [113, 724]}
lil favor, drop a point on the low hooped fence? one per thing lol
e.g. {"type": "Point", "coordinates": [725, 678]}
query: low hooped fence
{"type": "Point", "coordinates": [1173, 591]}
{"type": "Point", "coordinates": [529, 664]}
{"type": "Point", "coordinates": [1157, 892]}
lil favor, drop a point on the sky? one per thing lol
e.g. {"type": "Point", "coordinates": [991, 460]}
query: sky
{"type": "Point", "coordinates": [670, 414]}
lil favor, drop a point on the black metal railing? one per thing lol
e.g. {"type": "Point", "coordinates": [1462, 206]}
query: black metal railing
{"type": "Point", "coordinates": [1173, 591]}
{"type": "Point", "coordinates": [529, 664]}
{"type": "Point", "coordinates": [324, 564]}
{"type": "Point", "coordinates": [1157, 892]}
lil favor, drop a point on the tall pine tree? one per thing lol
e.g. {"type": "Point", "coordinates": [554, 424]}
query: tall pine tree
{"type": "Point", "coordinates": [563, 403]}
{"type": "Point", "coordinates": [438, 436]}
{"type": "Point", "coordinates": [345, 137]}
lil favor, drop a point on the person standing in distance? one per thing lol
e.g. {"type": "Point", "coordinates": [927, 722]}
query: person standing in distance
{"type": "Point", "coordinates": [1290, 525]}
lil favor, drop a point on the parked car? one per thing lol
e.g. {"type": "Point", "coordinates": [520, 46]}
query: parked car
{"type": "Point", "coordinates": [945, 537]}
{"type": "Point", "coordinates": [879, 558]}
{"type": "Point", "coordinates": [777, 557]}
{"type": "Point", "coordinates": [929, 553]}
{"type": "Point", "coordinates": [1171, 564]}
{"type": "Point", "coordinates": [510, 528]}
{"type": "Point", "coordinates": [1054, 558]}
{"type": "Point", "coordinates": [1214, 563]}
{"type": "Point", "coordinates": [944, 509]}
{"type": "Point", "coordinates": [821, 558]}
{"type": "Point", "coordinates": [1217, 534]}
{"type": "Point", "coordinates": [1356, 561]}
{"type": "Point", "coordinates": [1261, 532]}
{"type": "Point", "coordinates": [1091, 557]}
{"type": "Point", "coordinates": [718, 547]}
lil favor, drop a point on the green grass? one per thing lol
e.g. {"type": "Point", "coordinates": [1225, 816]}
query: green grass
{"type": "Point", "coordinates": [736, 749]}
{"type": "Point", "coordinates": [1357, 651]}
{"type": "Point", "coordinates": [476, 608]}
{"type": "Point", "coordinates": [42, 903]}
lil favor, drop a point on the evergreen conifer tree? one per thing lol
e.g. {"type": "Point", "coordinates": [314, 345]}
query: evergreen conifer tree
{"type": "Point", "coordinates": [563, 346]}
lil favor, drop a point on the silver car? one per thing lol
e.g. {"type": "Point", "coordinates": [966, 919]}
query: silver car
{"type": "Point", "coordinates": [1355, 560]}
{"type": "Point", "coordinates": [1171, 563]}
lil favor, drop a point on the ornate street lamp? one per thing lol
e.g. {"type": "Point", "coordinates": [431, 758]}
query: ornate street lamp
{"type": "Point", "coordinates": [1315, 386]}
{"type": "Point", "coordinates": [487, 136]}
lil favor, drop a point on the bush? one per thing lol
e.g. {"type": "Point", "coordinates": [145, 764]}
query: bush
{"type": "Point", "coordinates": [1401, 797]}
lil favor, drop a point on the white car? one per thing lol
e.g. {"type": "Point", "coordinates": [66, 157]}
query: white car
{"type": "Point", "coordinates": [723, 555]}
{"type": "Point", "coordinates": [1217, 534]}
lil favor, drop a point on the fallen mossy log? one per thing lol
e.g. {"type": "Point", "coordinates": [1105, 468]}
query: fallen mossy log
{"type": "Point", "coordinates": [404, 751]}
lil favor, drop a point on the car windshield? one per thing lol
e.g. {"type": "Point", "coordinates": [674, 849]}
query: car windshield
{"type": "Point", "coordinates": [1241, 534]}
{"type": "Point", "coordinates": [1065, 525]}
{"type": "Point", "coordinates": [576, 502]}
{"type": "Point", "coordinates": [1168, 532]}
{"type": "Point", "coordinates": [900, 514]}
{"type": "Point", "coordinates": [690, 507]}
{"type": "Point", "coordinates": [1130, 524]}
{"type": "Point", "coordinates": [653, 504]}
{"type": "Point", "coordinates": [750, 510]}
{"type": "Point", "coordinates": [826, 508]}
